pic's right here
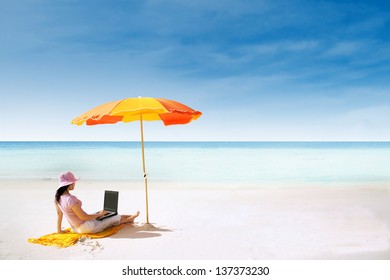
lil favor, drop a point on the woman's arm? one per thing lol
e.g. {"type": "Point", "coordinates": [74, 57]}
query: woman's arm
{"type": "Point", "coordinates": [59, 218]}
{"type": "Point", "coordinates": [84, 216]}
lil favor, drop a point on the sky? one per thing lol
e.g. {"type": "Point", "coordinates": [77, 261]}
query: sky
{"type": "Point", "coordinates": [280, 70]}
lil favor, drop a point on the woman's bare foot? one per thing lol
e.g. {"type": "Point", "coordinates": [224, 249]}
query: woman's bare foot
{"type": "Point", "coordinates": [132, 217]}
{"type": "Point", "coordinates": [135, 215]}
{"type": "Point", "coordinates": [129, 218]}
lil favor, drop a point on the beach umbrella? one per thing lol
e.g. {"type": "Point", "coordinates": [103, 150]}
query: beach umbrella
{"type": "Point", "coordinates": [139, 109]}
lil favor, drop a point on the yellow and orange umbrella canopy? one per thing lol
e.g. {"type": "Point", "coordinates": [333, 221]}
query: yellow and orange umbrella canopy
{"type": "Point", "coordinates": [139, 109]}
{"type": "Point", "coordinates": [134, 109]}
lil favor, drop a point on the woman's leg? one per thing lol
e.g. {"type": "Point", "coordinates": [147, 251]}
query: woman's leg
{"type": "Point", "coordinates": [128, 218]}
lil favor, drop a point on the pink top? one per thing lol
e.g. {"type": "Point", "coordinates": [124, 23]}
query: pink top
{"type": "Point", "coordinates": [66, 203]}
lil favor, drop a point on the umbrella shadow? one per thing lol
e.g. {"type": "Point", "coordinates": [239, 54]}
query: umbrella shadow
{"type": "Point", "coordinates": [140, 231]}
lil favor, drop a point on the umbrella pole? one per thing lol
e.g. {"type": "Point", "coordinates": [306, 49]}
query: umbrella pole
{"type": "Point", "coordinates": [144, 169]}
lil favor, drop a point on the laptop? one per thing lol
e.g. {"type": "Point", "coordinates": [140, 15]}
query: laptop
{"type": "Point", "coordinates": [110, 204]}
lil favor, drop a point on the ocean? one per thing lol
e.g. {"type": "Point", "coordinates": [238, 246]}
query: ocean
{"type": "Point", "coordinates": [221, 162]}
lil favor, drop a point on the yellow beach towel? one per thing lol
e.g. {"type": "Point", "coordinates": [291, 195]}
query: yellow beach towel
{"type": "Point", "coordinates": [70, 238]}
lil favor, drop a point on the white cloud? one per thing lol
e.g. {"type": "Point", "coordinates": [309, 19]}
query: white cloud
{"type": "Point", "coordinates": [346, 48]}
{"type": "Point", "coordinates": [377, 116]}
{"type": "Point", "coordinates": [279, 47]}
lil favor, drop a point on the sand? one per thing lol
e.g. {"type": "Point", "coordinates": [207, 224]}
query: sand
{"type": "Point", "coordinates": [205, 221]}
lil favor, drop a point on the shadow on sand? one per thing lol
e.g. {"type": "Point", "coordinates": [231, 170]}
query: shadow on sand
{"type": "Point", "coordinates": [140, 231]}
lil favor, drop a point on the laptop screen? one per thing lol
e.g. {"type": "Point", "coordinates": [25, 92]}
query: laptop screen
{"type": "Point", "coordinates": [111, 201]}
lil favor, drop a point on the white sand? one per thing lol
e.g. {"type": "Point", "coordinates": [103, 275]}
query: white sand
{"type": "Point", "coordinates": [198, 221]}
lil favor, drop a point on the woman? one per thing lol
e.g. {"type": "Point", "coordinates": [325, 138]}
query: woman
{"type": "Point", "coordinates": [81, 222]}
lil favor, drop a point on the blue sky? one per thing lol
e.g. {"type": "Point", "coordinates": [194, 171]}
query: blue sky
{"type": "Point", "coordinates": [288, 70]}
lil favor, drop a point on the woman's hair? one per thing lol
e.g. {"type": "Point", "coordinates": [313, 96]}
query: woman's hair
{"type": "Point", "coordinates": [60, 192]}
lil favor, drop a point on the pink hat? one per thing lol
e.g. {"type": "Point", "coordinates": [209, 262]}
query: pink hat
{"type": "Point", "coordinates": [67, 178]}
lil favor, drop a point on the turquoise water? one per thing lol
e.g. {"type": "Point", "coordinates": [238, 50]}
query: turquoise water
{"type": "Point", "coordinates": [255, 162]}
